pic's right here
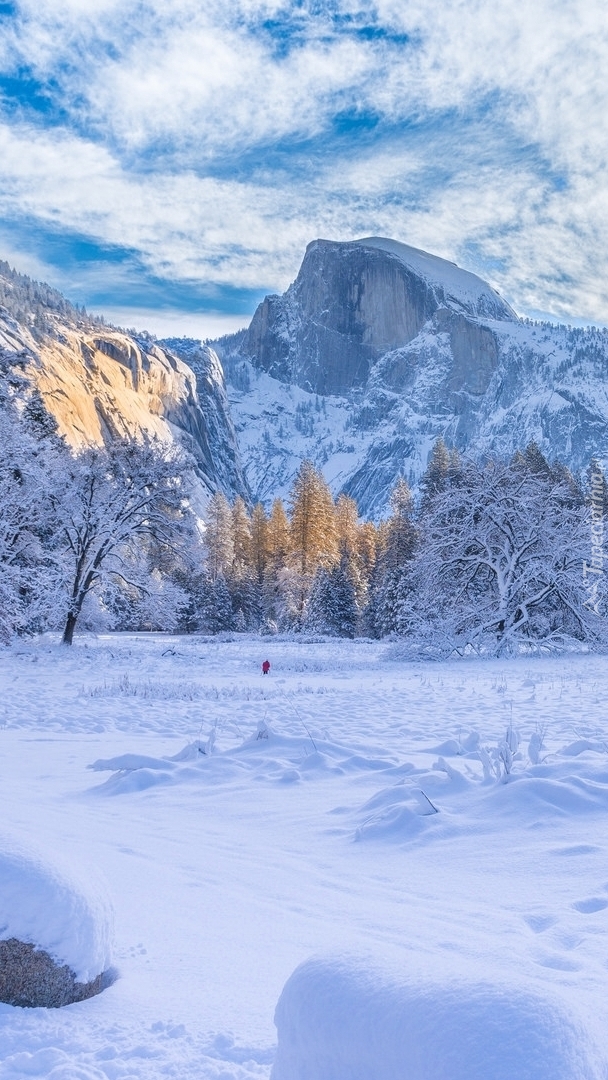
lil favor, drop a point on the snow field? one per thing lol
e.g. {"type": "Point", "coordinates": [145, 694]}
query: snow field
{"type": "Point", "coordinates": [306, 831]}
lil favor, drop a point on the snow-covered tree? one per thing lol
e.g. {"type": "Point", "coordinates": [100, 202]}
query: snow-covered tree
{"type": "Point", "coordinates": [22, 497]}
{"type": "Point", "coordinates": [436, 475]}
{"type": "Point", "coordinates": [219, 541]}
{"type": "Point", "coordinates": [313, 533]}
{"type": "Point", "coordinates": [241, 540]}
{"type": "Point", "coordinates": [107, 504]}
{"type": "Point", "coordinates": [332, 607]}
{"type": "Point", "coordinates": [260, 547]}
{"type": "Point", "coordinates": [215, 612]}
{"type": "Point", "coordinates": [278, 536]}
{"type": "Point", "coordinates": [500, 563]}
{"type": "Point", "coordinates": [30, 453]}
{"type": "Point", "coordinates": [398, 540]}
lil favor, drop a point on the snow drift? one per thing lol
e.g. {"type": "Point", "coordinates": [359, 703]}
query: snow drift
{"type": "Point", "coordinates": [343, 1017]}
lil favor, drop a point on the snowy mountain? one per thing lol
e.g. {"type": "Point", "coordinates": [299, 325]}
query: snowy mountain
{"type": "Point", "coordinates": [100, 383]}
{"type": "Point", "coordinates": [374, 351]}
{"type": "Point", "coordinates": [377, 348]}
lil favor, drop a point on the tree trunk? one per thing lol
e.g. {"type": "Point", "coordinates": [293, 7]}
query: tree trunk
{"type": "Point", "coordinates": [70, 625]}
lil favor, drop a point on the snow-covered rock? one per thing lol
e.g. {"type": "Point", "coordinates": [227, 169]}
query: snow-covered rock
{"type": "Point", "coordinates": [56, 908]}
{"type": "Point", "coordinates": [340, 1018]}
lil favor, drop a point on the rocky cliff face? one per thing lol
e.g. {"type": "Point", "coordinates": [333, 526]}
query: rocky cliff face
{"type": "Point", "coordinates": [377, 349]}
{"type": "Point", "coordinates": [100, 384]}
{"type": "Point", "coordinates": [353, 302]}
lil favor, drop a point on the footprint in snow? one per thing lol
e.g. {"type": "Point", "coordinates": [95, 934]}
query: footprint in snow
{"type": "Point", "coordinates": [589, 906]}
{"type": "Point", "coordinates": [556, 962]}
{"type": "Point", "coordinates": [539, 923]}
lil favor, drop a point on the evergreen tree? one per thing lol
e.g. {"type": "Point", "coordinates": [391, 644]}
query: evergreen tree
{"type": "Point", "coordinates": [332, 608]}
{"type": "Point", "coordinates": [398, 541]}
{"type": "Point", "coordinates": [313, 530]}
{"type": "Point", "coordinates": [278, 536]}
{"type": "Point", "coordinates": [536, 461]}
{"type": "Point", "coordinates": [314, 539]}
{"type": "Point", "coordinates": [347, 525]}
{"type": "Point", "coordinates": [215, 611]}
{"type": "Point", "coordinates": [401, 535]}
{"type": "Point", "coordinates": [436, 475]}
{"type": "Point", "coordinates": [241, 540]}
{"type": "Point", "coordinates": [219, 536]}
{"type": "Point", "coordinates": [260, 546]}
{"type": "Point", "coordinates": [343, 613]}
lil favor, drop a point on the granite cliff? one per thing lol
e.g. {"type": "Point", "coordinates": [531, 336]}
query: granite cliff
{"type": "Point", "coordinates": [100, 383]}
{"type": "Point", "coordinates": [377, 349]}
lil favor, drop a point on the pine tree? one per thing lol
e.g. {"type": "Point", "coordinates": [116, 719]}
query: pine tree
{"type": "Point", "coordinates": [401, 533]}
{"type": "Point", "coordinates": [216, 606]}
{"type": "Point", "coordinates": [397, 542]}
{"type": "Point", "coordinates": [219, 536]}
{"type": "Point", "coordinates": [241, 540]}
{"type": "Point", "coordinates": [314, 540]}
{"type": "Point", "coordinates": [313, 524]}
{"type": "Point", "coordinates": [260, 546]}
{"type": "Point", "coordinates": [536, 460]}
{"type": "Point", "coordinates": [436, 474]}
{"type": "Point", "coordinates": [332, 608]}
{"type": "Point", "coordinates": [347, 525]}
{"type": "Point", "coordinates": [278, 537]}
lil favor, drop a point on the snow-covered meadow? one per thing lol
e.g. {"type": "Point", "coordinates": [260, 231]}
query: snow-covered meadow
{"type": "Point", "coordinates": [346, 806]}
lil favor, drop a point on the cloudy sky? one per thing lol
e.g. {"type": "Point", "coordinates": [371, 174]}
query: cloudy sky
{"type": "Point", "coordinates": [167, 161]}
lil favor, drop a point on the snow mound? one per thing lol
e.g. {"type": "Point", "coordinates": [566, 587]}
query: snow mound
{"type": "Point", "coordinates": [343, 1017]}
{"type": "Point", "coordinates": [130, 762]}
{"type": "Point", "coordinates": [52, 908]}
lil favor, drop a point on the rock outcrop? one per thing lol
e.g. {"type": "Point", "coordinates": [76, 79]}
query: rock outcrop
{"type": "Point", "coordinates": [31, 979]}
{"type": "Point", "coordinates": [100, 384]}
{"type": "Point", "coordinates": [353, 302]}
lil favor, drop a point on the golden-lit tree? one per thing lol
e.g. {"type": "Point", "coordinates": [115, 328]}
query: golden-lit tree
{"type": "Point", "coordinates": [314, 536]}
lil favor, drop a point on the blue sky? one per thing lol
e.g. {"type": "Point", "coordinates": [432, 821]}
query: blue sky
{"type": "Point", "coordinates": [166, 162]}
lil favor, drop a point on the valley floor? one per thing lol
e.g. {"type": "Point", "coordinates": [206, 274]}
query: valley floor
{"type": "Point", "coordinates": [308, 829]}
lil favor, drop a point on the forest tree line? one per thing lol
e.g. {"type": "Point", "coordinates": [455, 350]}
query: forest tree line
{"type": "Point", "coordinates": [487, 558]}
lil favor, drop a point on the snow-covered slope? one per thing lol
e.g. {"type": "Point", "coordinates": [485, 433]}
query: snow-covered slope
{"type": "Point", "coordinates": [377, 349]}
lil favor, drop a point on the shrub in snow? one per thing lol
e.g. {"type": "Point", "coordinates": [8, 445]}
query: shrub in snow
{"type": "Point", "coordinates": [498, 761]}
{"type": "Point", "coordinates": [342, 1018]}
{"type": "Point", "coordinates": [55, 933]}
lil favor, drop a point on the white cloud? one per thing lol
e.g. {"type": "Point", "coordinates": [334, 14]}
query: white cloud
{"type": "Point", "coordinates": [176, 323]}
{"type": "Point", "coordinates": [504, 154]}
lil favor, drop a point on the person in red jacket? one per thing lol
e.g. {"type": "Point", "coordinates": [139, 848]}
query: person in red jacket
{"type": "Point", "coordinates": [266, 667]}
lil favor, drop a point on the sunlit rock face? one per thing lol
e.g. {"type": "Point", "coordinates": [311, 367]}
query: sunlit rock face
{"type": "Point", "coordinates": [103, 384]}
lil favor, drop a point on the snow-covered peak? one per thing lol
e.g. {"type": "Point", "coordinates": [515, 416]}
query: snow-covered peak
{"type": "Point", "coordinates": [461, 288]}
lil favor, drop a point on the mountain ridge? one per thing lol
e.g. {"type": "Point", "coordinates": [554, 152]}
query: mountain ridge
{"type": "Point", "coordinates": [373, 352]}
{"type": "Point", "coordinates": [451, 360]}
